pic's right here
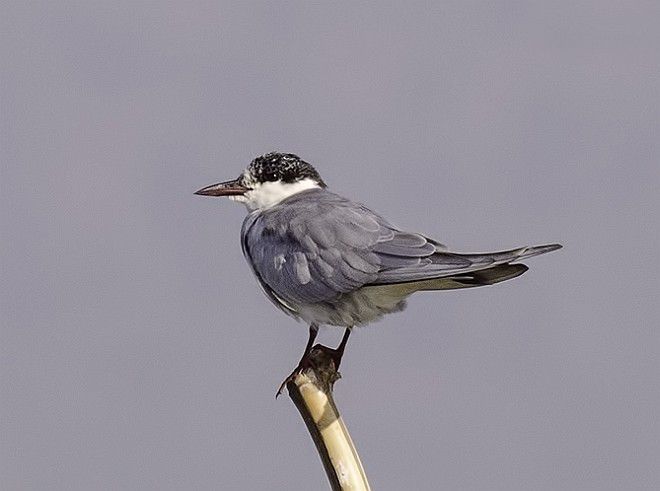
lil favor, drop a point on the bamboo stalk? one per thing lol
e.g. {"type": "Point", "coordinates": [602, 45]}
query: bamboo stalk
{"type": "Point", "coordinates": [311, 392]}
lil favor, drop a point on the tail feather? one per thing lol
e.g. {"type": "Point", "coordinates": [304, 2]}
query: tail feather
{"type": "Point", "coordinates": [448, 270]}
{"type": "Point", "coordinates": [483, 277]}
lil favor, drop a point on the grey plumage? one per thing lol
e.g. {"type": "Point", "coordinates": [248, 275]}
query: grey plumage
{"type": "Point", "coordinates": [329, 260]}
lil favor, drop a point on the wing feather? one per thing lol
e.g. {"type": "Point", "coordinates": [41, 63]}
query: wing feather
{"type": "Point", "coordinates": [325, 246]}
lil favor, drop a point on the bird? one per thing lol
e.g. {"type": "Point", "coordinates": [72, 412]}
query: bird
{"type": "Point", "coordinates": [327, 260]}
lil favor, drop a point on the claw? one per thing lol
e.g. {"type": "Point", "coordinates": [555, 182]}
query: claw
{"type": "Point", "coordinates": [336, 355]}
{"type": "Point", "coordinates": [290, 378]}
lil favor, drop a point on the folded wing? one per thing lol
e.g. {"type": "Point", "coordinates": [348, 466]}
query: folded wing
{"type": "Point", "coordinates": [317, 245]}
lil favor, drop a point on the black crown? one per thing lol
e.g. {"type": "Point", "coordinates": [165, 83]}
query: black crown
{"type": "Point", "coordinates": [285, 167]}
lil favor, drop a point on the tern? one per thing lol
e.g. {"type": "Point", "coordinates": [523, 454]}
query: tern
{"type": "Point", "coordinates": [326, 260]}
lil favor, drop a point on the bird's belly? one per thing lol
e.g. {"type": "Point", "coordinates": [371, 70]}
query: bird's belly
{"type": "Point", "coordinates": [360, 307]}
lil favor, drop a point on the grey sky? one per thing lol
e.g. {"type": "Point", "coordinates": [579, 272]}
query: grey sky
{"type": "Point", "coordinates": [137, 351]}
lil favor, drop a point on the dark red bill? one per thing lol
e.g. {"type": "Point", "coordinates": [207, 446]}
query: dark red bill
{"type": "Point", "coordinates": [227, 188]}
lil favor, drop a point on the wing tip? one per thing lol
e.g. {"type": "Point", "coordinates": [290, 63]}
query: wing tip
{"type": "Point", "coordinates": [540, 249]}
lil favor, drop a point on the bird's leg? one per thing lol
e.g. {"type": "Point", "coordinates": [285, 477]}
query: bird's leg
{"type": "Point", "coordinates": [338, 352]}
{"type": "Point", "coordinates": [313, 331]}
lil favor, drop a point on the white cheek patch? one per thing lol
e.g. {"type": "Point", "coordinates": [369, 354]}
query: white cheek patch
{"type": "Point", "coordinates": [267, 194]}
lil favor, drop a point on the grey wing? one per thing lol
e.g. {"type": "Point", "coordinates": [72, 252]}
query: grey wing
{"type": "Point", "coordinates": [313, 251]}
{"type": "Point", "coordinates": [409, 264]}
{"type": "Point", "coordinates": [321, 245]}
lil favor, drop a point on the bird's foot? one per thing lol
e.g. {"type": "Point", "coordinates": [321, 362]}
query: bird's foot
{"type": "Point", "coordinates": [302, 365]}
{"type": "Point", "coordinates": [290, 378]}
{"type": "Point", "coordinates": [307, 362]}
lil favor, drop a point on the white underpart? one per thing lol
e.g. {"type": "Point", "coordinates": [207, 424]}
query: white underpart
{"type": "Point", "coordinates": [267, 194]}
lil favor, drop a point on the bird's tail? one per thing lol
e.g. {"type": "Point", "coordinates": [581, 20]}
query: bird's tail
{"type": "Point", "coordinates": [484, 277]}
{"type": "Point", "coordinates": [497, 267]}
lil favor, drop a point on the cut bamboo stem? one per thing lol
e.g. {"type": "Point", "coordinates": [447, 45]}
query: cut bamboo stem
{"type": "Point", "coordinates": [311, 392]}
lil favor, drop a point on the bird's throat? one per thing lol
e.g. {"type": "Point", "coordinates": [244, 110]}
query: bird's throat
{"type": "Point", "coordinates": [268, 194]}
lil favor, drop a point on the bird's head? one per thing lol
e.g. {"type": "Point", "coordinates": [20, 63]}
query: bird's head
{"type": "Point", "coordinates": [268, 180]}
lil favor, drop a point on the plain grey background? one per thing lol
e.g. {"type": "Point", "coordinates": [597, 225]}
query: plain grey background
{"type": "Point", "coordinates": [138, 351]}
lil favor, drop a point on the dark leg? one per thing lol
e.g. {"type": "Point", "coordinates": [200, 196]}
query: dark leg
{"type": "Point", "coordinates": [339, 351]}
{"type": "Point", "coordinates": [313, 331]}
